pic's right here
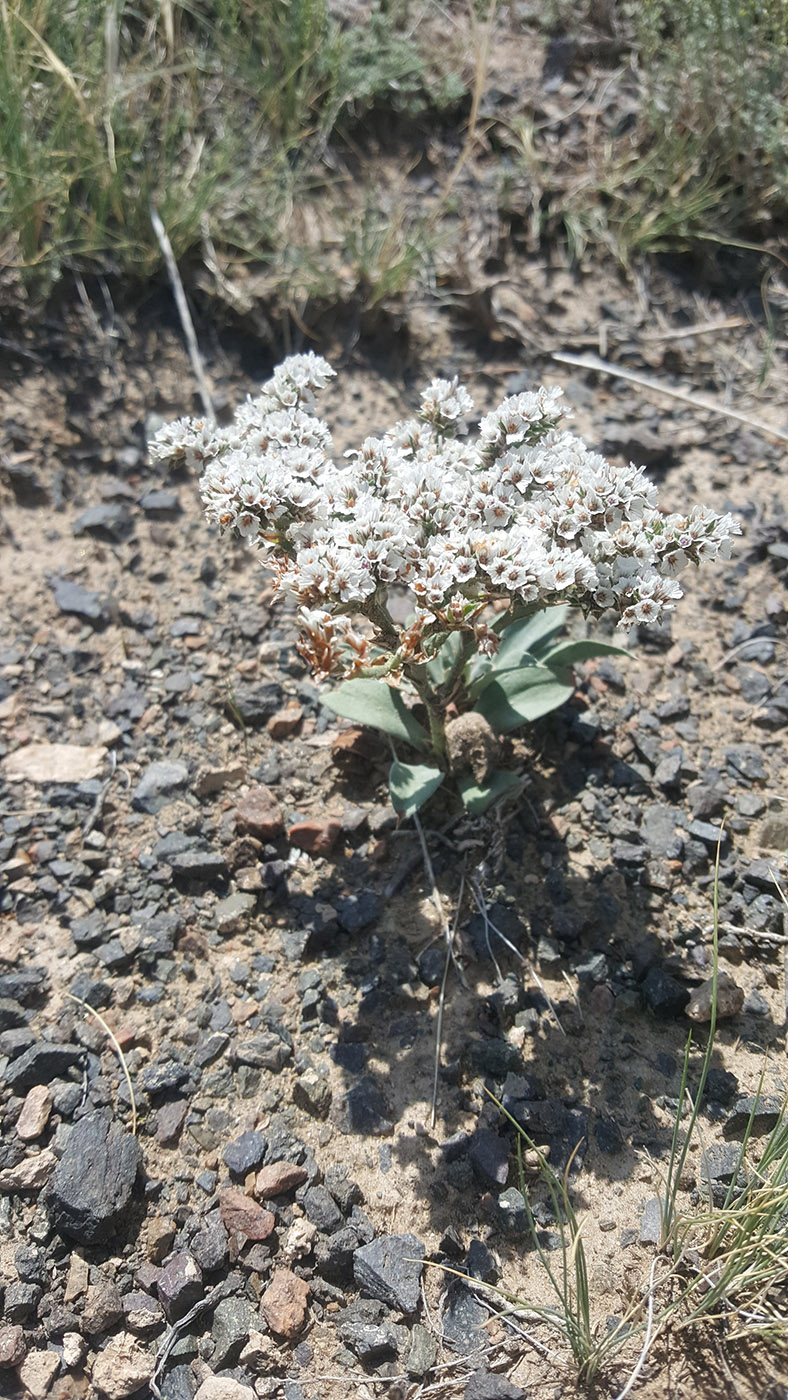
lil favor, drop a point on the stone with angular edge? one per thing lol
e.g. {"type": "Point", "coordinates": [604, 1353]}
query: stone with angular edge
{"type": "Point", "coordinates": [285, 722]}
{"type": "Point", "coordinates": [92, 1184]}
{"type": "Point", "coordinates": [55, 763]}
{"type": "Point", "coordinates": [71, 597]}
{"type": "Point", "coordinates": [179, 1285]}
{"type": "Point", "coordinates": [29, 1175]}
{"type": "Point", "coordinates": [35, 1113]}
{"type": "Point", "coordinates": [224, 1388]}
{"type": "Point", "coordinates": [243, 1216]}
{"type": "Point", "coordinates": [37, 1372]}
{"type": "Point", "coordinates": [284, 1303]}
{"type": "Point", "coordinates": [390, 1269]}
{"type": "Point", "coordinates": [316, 837]}
{"type": "Point", "coordinates": [158, 785]}
{"type": "Point", "coordinates": [12, 1345]}
{"type": "Point", "coordinates": [259, 813]}
{"type": "Point", "coordinates": [277, 1178]}
{"type": "Point", "coordinates": [484, 1385]}
{"type": "Point", "coordinates": [729, 997]}
{"type": "Point", "coordinates": [245, 1154]}
{"type": "Point", "coordinates": [122, 1368]}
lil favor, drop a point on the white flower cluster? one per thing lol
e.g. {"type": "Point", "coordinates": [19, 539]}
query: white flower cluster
{"type": "Point", "coordinates": [525, 513]}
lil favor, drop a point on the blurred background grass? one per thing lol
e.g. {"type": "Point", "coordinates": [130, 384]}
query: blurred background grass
{"type": "Point", "coordinates": [294, 135]}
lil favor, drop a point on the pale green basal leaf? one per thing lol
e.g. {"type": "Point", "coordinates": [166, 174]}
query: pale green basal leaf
{"type": "Point", "coordinates": [477, 799]}
{"type": "Point", "coordinates": [533, 633]}
{"type": "Point", "coordinates": [444, 661]}
{"type": "Point", "coordinates": [518, 697]}
{"type": "Point", "coordinates": [477, 674]}
{"type": "Point", "coordinates": [367, 701]}
{"type": "Point", "coordinates": [411, 785]}
{"type": "Point", "coordinates": [521, 645]}
{"type": "Point", "coordinates": [568, 654]}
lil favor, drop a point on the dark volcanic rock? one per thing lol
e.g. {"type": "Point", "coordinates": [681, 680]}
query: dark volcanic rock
{"type": "Point", "coordinates": [390, 1269]}
{"type": "Point", "coordinates": [91, 1187]}
{"type": "Point", "coordinates": [363, 1109]}
{"type": "Point", "coordinates": [322, 1209]}
{"type": "Point", "coordinates": [110, 521]}
{"type": "Point", "coordinates": [158, 784]}
{"type": "Point", "coordinates": [179, 1285]}
{"type": "Point", "coordinates": [245, 1154]}
{"type": "Point", "coordinates": [198, 865]}
{"type": "Point", "coordinates": [27, 488]}
{"type": "Point", "coordinates": [73, 598]}
{"type": "Point", "coordinates": [483, 1385]}
{"type": "Point", "coordinates": [256, 703]}
{"type": "Point", "coordinates": [489, 1156]}
{"type": "Point", "coordinates": [463, 1321]}
{"type": "Point", "coordinates": [40, 1063]}
{"type": "Point", "coordinates": [663, 993]}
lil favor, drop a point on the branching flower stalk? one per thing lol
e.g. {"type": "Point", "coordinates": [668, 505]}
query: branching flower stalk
{"type": "Point", "coordinates": [481, 532]}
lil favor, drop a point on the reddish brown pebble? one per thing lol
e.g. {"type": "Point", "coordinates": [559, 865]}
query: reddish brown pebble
{"type": "Point", "coordinates": [285, 722]}
{"type": "Point", "coordinates": [243, 1216]}
{"type": "Point", "coordinates": [12, 1345]}
{"type": "Point", "coordinates": [730, 999]}
{"type": "Point", "coordinates": [35, 1113]}
{"type": "Point", "coordinates": [277, 1178]}
{"type": "Point", "coordinates": [259, 813]}
{"type": "Point", "coordinates": [601, 1001]}
{"type": "Point", "coordinates": [317, 838]}
{"type": "Point", "coordinates": [284, 1303]}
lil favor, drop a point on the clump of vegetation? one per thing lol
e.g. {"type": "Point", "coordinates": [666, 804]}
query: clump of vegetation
{"type": "Point", "coordinates": [696, 153]}
{"type": "Point", "coordinates": [484, 536]}
{"type": "Point", "coordinates": [220, 115]}
{"type": "Point", "coordinates": [720, 1267]}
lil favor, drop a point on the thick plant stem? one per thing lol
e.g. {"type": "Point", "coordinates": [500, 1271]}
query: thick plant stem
{"type": "Point", "coordinates": [437, 731]}
{"type": "Point", "coordinates": [435, 714]}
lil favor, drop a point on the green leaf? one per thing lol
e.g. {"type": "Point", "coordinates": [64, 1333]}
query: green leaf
{"type": "Point", "coordinates": [445, 659]}
{"type": "Point", "coordinates": [478, 799]}
{"type": "Point", "coordinates": [477, 674]}
{"type": "Point", "coordinates": [568, 654]}
{"type": "Point", "coordinates": [534, 632]}
{"type": "Point", "coordinates": [411, 785]}
{"type": "Point", "coordinates": [372, 702]}
{"type": "Point", "coordinates": [521, 645]}
{"type": "Point", "coordinates": [517, 697]}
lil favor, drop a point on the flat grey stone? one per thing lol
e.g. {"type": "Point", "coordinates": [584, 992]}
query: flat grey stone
{"type": "Point", "coordinates": [463, 1321]}
{"type": "Point", "coordinates": [390, 1269]}
{"type": "Point", "coordinates": [41, 1063]}
{"type": "Point", "coordinates": [73, 598]}
{"type": "Point", "coordinates": [651, 1222]}
{"type": "Point", "coordinates": [158, 784]}
{"type": "Point", "coordinates": [91, 1187]}
{"type": "Point", "coordinates": [484, 1385]}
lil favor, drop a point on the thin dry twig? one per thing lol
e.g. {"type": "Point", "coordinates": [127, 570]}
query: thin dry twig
{"type": "Point", "coordinates": [450, 957]}
{"type": "Point", "coordinates": [118, 1051]}
{"type": "Point", "coordinates": [647, 1340]}
{"type": "Point", "coordinates": [488, 924]}
{"type": "Point", "coordinates": [222, 1290]}
{"type": "Point", "coordinates": [184, 314]}
{"type": "Point", "coordinates": [728, 323]}
{"type": "Point", "coordinates": [98, 805]}
{"type": "Point", "coordinates": [644, 381]}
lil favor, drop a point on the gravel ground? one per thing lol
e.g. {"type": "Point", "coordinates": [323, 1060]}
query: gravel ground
{"type": "Point", "coordinates": [207, 896]}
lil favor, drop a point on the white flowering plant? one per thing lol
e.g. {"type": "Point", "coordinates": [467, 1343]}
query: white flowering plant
{"type": "Point", "coordinates": [489, 536]}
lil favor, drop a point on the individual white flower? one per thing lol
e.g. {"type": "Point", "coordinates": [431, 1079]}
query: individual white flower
{"type": "Point", "coordinates": [444, 403]}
